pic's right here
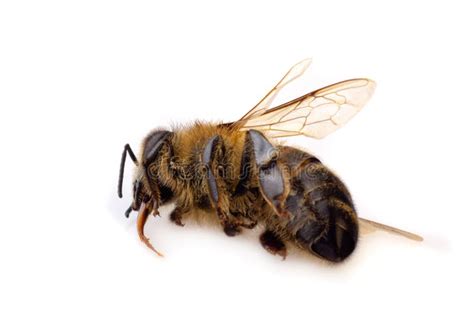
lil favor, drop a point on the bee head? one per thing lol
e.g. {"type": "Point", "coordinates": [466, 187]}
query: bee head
{"type": "Point", "coordinates": [144, 172]}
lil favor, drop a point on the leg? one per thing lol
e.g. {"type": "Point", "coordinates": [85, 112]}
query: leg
{"type": "Point", "coordinates": [176, 215]}
{"type": "Point", "coordinates": [232, 224]}
{"type": "Point", "coordinates": [229, 224]}
{"type": "Point", "coordinates": [242, 220]}
{"type": "Point", "coordinates": [273, 244]}
{"type": "Point", "coordinates": [215, 159]}
{"type": "Point", "coordinates": [231, 229]}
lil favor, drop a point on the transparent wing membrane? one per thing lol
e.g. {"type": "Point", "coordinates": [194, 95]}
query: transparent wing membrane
{"type": "Point", "coordinates": [315, 114]}
{"type": "Point", "coordinates": [295, 72]}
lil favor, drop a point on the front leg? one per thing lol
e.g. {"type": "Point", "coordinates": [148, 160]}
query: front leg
{"type": "Point", "coordinates": [163, 195]}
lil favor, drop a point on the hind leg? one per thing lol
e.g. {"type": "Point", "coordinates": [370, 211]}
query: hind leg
{"type": "Point", "coordinates": [273, 244]}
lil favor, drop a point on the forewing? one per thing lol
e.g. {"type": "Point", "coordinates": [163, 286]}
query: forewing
{"type": "Point", "coordinates": [315, 114]}
{"type": "Point", "coordinates": [296, 71]}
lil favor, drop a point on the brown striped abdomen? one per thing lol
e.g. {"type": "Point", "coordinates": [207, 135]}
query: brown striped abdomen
{"type": "Point", "coordinates": [322, 217]}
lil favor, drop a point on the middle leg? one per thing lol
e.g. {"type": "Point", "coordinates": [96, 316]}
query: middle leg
{"type": "Point", "coordinates": [176, 215]}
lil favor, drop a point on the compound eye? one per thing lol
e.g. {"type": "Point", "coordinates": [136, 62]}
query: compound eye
{"type": "Point", "coordinates": [153, 144]}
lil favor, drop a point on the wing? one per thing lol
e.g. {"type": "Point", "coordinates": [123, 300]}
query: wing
{"type": "Point", "coordinates": [369, 226]}
{"type": "Point", "coordinates": [315, 114]}
{"type": "Point", "coordinates": [295, 72]}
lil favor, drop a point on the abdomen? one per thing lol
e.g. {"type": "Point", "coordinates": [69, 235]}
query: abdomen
{"type": "Point", "coordinates": [322, 216]}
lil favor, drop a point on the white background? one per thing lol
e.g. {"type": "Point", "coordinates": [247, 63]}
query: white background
{"type": "Point", "coordinates": [80, 79]}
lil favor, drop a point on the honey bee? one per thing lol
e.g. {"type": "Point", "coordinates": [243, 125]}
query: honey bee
{"type": "Point", "coordinates": [240, 175]}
